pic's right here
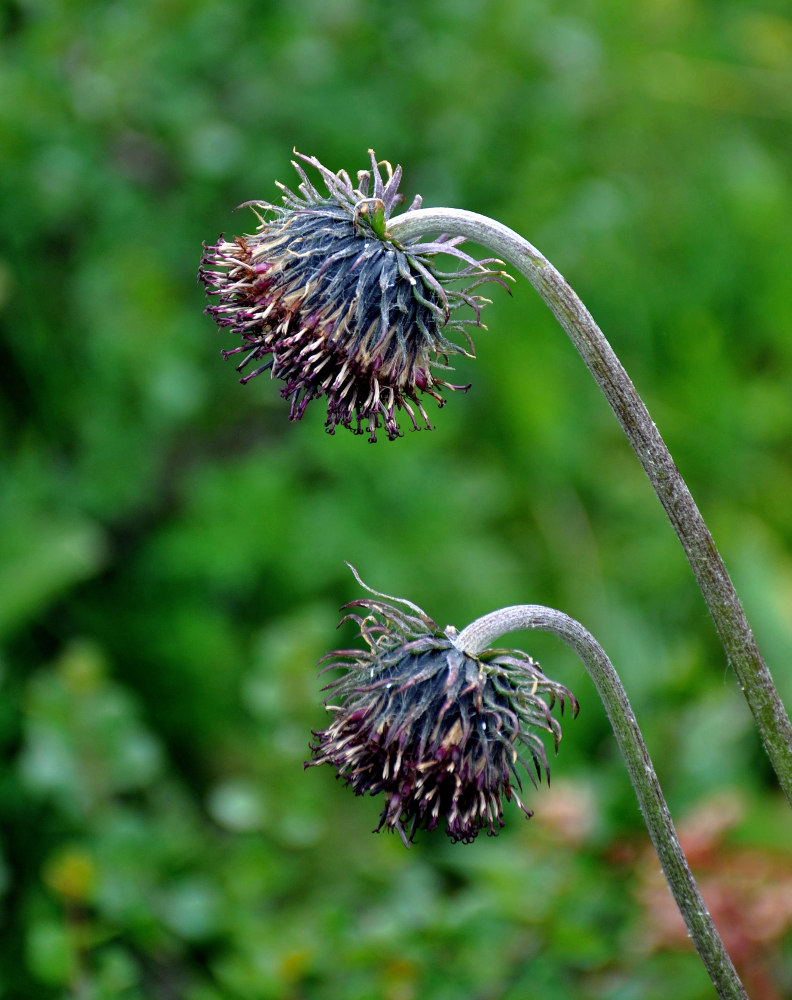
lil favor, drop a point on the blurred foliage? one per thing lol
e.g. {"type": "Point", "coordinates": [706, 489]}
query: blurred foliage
{"type": "Point", "coordinates": [172, 550]}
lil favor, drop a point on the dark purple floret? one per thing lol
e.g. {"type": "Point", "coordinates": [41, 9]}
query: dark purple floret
{"type": "Point", "coordinates": [323, 299]}
{"type": "Point", "coordinates": [441, 734]}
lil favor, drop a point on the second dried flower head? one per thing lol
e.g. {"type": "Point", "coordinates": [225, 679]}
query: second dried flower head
{"type": "Point", "coordinates": [323, 299]}
{"type": "Point", "coordinates": [442, 734]}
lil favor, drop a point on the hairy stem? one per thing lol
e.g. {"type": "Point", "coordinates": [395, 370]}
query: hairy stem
{"type": "Point", "coordinates": [727, 612]}
{"type": "Point", "coordinates": [482, 633]}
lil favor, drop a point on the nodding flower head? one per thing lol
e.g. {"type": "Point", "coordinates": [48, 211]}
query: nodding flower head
{"type": "Point", "coordinates": [441, 733]}
{"type": "Point", "coordinates": [323, 298]}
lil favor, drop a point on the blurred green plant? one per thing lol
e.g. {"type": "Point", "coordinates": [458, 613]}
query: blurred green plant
{"type": "Point", "coordinates": [194, 546]}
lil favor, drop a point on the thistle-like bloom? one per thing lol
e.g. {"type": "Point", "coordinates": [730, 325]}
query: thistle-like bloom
{"type": "Point", "coordinates": [441, 733]}
{"type": "Point", "coordinates": [323, 298]}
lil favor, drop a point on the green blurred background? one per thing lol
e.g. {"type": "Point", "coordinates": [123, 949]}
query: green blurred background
{"type": "Point", "coordinates": [172, 549]}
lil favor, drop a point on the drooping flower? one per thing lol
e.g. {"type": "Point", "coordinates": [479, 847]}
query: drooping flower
{"type": "Point", "coordinates": [442, 734]}
{"type": "Point", "coordinates": [325, 300]}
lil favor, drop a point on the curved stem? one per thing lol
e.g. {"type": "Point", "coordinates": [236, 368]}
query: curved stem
{"type": "Point", "coordinates": [483, 632]}
{"type": "Point", "coordinates": [727, 612]}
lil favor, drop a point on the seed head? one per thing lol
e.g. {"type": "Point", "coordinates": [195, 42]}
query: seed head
{"type": "Point", "coordinates": [326, 301]}
{"type": "Point", "coordinates": [442, 734]}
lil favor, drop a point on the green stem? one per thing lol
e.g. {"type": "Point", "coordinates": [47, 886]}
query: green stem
{"type": "Point", "coordinates": [727, 612]}
{"type": "Point", "coordinates": [482, 633]}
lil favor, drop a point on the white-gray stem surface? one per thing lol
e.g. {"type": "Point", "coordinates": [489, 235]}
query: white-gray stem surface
{"type": "Point", "coordinates": [482, 633]}
{"type": "Point", "coordinates": [716, 586]}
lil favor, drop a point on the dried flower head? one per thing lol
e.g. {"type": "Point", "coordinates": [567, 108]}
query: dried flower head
{"type": "Point", "coordinates": [441, 733]}
{"type": "Point", "coordinates": [323, 298]}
